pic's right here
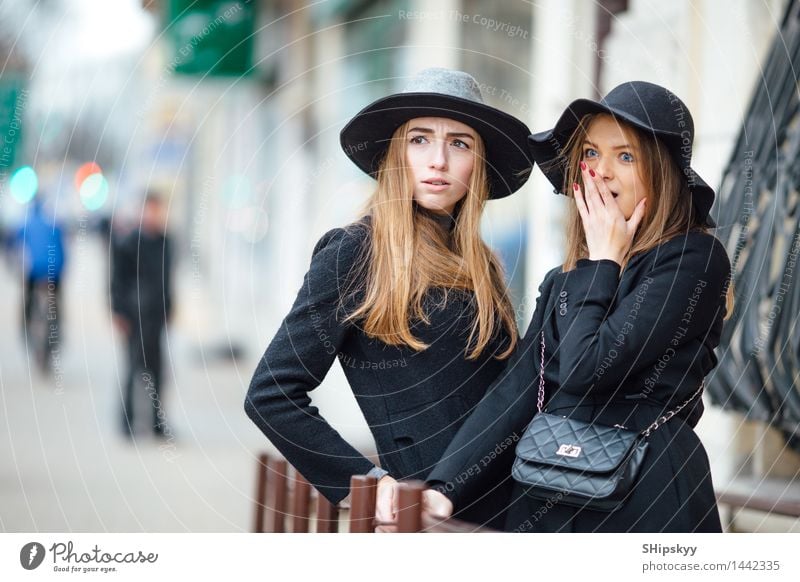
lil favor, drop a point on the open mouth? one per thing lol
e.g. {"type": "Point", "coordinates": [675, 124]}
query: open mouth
{"type": "Point", "coordinates": [436, 182]}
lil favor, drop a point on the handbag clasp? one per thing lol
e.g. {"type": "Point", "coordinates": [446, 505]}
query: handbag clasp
{"type": "Point", "coordinates": [569, 451]}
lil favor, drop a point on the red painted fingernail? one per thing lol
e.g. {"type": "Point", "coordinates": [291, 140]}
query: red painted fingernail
{"type": "Point", "coordinates": [574, 185]}
{"type": "Point", "coordinates": [591, 173]}
{"type": "Point", "coordinates": [583, 165]}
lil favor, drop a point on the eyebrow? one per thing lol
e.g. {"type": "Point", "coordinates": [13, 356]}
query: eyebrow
{"type": "Point", "coordinates": [625, 146]}
{"type": "Point", "coordinates": [450, 134]}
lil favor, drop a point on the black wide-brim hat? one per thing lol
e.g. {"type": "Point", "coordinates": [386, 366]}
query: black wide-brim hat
{"type": "Point", "coordinates": [456, 95]}
{"type": "Point", "coordinates": [646, 106]}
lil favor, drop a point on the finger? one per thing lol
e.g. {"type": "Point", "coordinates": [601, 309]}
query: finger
{"type": "Point", "coordinates": [440, 516]}
{"type": "Point", "coordinates": [607, 197]}
{"type": "Point", "coordinates": [437, 505]}
{"type": "Point", "coordinates": [593, 200]}
{"type": "Point", "coordinates": [437, 511]}
{"type": "Point", "coordinates": [380, 513]}
{"type": "Point", "coordinates": [589, 184]}
{"type": "Point", "coordinates": [383, 506]}
{"type": "Point", "coordinates": [580, 202]}
{"type": "Point", "coordinates": [637, 216]}
{"type": "Point", "coordinates": [598, 183]}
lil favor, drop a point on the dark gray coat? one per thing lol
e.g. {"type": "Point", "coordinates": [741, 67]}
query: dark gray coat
{"type": "Point", "coordinates": [618, 351]}
{"type": "Point", "coordinates": [414, 402]}
{"type": "Point", "coordinates": [141, 278]}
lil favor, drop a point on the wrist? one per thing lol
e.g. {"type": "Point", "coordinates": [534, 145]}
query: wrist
{"type": "Point", "coordinates": [378, 473]}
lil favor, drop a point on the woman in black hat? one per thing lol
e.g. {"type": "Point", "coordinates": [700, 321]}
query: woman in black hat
{"type": "Point", "coordinates": [624, 331]}
{"type": "Point", "coordinates": [409, 298]}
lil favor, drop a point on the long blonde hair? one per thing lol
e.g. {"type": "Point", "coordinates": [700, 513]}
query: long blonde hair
{"type": "Point", "coordinates": [669, 212]}
{"type": "Point", "coordinates": [411, 253]}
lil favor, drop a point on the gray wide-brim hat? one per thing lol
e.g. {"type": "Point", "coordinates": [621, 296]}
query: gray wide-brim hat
{"type": "Point", "coordinates": [646, 106]}
{"type": "Point", "coordinates": [438, 92]}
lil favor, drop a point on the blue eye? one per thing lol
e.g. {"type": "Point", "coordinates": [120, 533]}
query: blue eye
{"type": "Point", "coordinates": [418, 139]}
{"type": "Point", "coordinates": [626, 157]}
{"type": "Point", "coordinates": [590, 153]}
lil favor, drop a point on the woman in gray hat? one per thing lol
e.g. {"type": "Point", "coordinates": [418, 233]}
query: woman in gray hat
{"type": "Point", "coordinates": [623, 332]}
{"type": "Point", "coordinates": [409, 298]}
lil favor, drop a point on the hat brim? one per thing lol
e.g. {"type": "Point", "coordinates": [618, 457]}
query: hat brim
{"type": "Point", "coordinates": [366, 137]}
{"type": "Point", "coordinates": [547, 146]}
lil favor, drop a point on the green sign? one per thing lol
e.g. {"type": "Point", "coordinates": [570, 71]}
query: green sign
{"type": "Point", "coordinates": [13, 100]}
{"type": "Point", "coordinates": [213, 37]}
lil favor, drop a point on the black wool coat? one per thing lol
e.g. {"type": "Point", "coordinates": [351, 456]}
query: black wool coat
{"type": "Point", "coordinates": [618, 350]}
{"type": "Point", "coordinates": [414, 402]}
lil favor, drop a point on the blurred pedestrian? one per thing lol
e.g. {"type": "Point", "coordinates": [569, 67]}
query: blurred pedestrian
{"type": "Point", "coordinates": [410, 299]}
{"type": "Point", "coordinates": [141, 300]}
{"type": "Point", "coordinates": [40, 244]}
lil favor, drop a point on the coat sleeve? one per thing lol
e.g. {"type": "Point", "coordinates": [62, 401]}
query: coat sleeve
{"type": "Point", "coordinates": [295, 363]}
{"type": "Point", "coordinates": [123, 275]}
{"type": "Point", "coordinates": [601, 343]}
{"type": "Point", "coordinates": [468, 465]}
{"type": "Point", "coordinates": [167, 267]}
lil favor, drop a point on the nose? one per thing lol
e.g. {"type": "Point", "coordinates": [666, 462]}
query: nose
{"type": "Point", "coordinates": [604, 168]}
{"type": "Point", "coordinates": [438, 159]}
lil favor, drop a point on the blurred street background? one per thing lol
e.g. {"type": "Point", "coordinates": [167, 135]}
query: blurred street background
{"type": "Point", "coordinates": [229, 111]}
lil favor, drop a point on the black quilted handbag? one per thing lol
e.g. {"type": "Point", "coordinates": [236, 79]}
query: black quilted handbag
{"type": "Point", "coordinates": [588, 465]}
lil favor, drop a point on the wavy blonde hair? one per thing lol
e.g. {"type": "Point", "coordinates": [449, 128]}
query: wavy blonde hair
{"type": "Point", "coordinates": [411, 253]}
{"type": "Point", "coordinates": [669, 211]}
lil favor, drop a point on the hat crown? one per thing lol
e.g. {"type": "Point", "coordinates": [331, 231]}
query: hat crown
{"type": "Point", "coordinates": [653, 106]}
{"type": "Point", "coordinates": [446, 82]}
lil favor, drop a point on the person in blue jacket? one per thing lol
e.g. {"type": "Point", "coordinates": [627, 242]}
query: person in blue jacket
{"type": "Point", "coordinates": [409, 298]}
{"type": "Point", "coordinates": [624, 331]}
{"type": "Point", "coordinates": [40, 242]}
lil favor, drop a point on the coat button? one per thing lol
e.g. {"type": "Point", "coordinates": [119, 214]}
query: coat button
{"type": "Point", "coordinates": [562, 294]}
{"type": "Point", "coordinates": [563, 306]}
{"type": "Point", "coordinates": [563, 312]}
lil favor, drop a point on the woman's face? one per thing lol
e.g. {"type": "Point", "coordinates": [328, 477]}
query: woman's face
{"type": "Point", "coordinates": [440, 154]}
{"type": "Point", "coordinates": [612, 152]}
